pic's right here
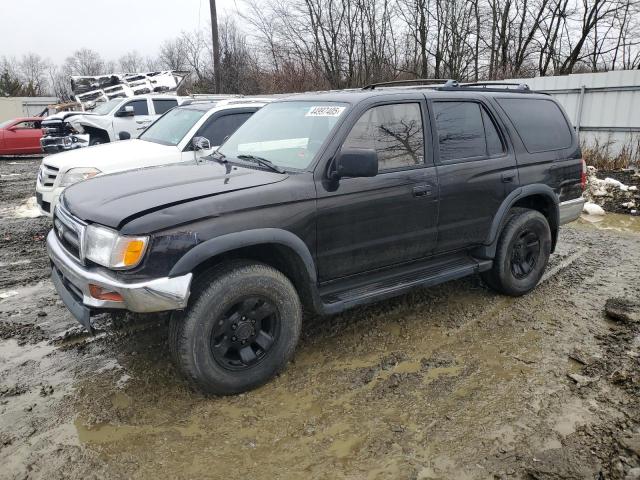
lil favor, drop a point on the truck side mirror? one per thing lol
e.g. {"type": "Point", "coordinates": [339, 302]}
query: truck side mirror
{"type": "Point", "coordinates": [356, 163]}
{"type": "Point", "coordinates": [201, 143]}
{"type": "Point", "coordinates": [127, 111]}
{"type": "Point", "coordinates": [124, 135]}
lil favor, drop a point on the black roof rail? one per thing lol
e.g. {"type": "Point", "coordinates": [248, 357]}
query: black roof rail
{"type": "Point", "coordinates": [438, 81]}
{"type": "Point", "coordinates": [497, 85]}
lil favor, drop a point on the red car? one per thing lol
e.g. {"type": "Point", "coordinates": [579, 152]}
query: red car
{"type": "Point", "coordinates": [20, 136]}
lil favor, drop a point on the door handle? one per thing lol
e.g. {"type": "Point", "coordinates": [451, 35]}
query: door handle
{"type": "Point", "coordinates": [422, 190]}
{"type": "Point", "coordinates": [508, 177]}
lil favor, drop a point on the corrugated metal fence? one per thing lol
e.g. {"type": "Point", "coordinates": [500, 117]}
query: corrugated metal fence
{"type": "Point", "coordinates": [604, 107]}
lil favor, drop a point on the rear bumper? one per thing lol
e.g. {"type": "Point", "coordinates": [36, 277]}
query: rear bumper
{"type": "Point", "coordinates": [72, 282]}
{"type": "Point", "coordinates": [570, 210]}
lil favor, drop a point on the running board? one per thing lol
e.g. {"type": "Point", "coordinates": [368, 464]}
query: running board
{"type": "Point", "coordinates": [339, 296]}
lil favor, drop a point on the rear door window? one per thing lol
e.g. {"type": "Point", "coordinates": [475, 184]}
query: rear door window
{"type": "Point", "coordinates": [163, 105]}
{"type": "Point", "coordinates": [394, 131]}
{"type": "Point", "coordinates": [539, 122]}
{"type": "Point", "coordinates": [460, 130]}
{"type": "Point", "coordinates": [495, 147]}
{"type": "Point", "coordinates": [220, 128]}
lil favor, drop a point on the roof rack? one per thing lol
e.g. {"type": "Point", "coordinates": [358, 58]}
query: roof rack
{"type": "Point", "coordinates": [496, 85]}
{"type": "Point", "coordinates": [445, 82]}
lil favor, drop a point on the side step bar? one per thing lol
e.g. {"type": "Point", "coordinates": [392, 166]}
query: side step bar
{"type": "Point", "coordinates": [345, 294]}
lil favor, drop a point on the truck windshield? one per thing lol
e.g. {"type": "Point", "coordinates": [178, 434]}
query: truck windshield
{"type": "Point", "coordinates": [289, 134]}
{"type": "Point", "coordinates": [106, 107]}
{"type": "Point", "coordinates": [171, 128]}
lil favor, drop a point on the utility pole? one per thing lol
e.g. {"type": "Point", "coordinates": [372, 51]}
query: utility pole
{"type": "Point", "coordinates": [215, 44]}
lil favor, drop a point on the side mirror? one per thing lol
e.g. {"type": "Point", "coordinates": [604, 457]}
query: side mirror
{"type": "Point", "coordinates": [124, 135]}
{"type": "Point", "coordinates": [127, 111]}
{"type": "Point", "coordinates": [356, 163]}
{"type": "Point", "coordinates": [201, 143]}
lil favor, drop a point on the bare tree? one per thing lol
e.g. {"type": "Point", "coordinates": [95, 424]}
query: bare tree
{"type": "Point", "coordinates": [131, 62]}
{"type": "Point", "coordinates": [85, 62]}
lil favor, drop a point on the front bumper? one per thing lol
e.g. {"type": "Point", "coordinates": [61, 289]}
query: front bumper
{"type": "Point", "coordinates": [72, 282]}
{"type": "Point", "coordinates": [51, 144]}
{"type": "Point", "coordinates": [48, 199]}
{"type": "Point", "coordinates": [570, 210]}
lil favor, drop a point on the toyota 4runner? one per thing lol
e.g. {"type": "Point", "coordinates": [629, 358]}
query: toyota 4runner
{"type": "Point", "coordinates": [322, 202]}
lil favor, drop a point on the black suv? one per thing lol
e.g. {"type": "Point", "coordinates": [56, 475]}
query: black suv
{"type": "Point", "coordinates": [322, 202]}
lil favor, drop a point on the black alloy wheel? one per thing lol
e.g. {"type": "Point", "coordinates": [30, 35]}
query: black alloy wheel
{"type": "Point", "coordinates": [245, 333]}
{"type": "Point", "coordinates": [525, 253]}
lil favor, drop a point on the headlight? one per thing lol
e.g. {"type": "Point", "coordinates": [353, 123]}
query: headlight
{"type": "Point", "coordinates": [109, 249]}
{"type": "Point", "coordinates": [76, 175]}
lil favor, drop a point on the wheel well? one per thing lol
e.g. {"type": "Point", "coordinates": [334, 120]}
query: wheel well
{"type": "Point", "coordinates": [546, 207]}
{"type": "Point", "coordinates": [278, 256]}
{"type": "Point", "coordinates": [93, 131]}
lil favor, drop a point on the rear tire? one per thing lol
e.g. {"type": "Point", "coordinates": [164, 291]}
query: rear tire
{"type": "Point", "coordinates": [239, 331]}
{"type": "Point", "coordinates": [522, 255]}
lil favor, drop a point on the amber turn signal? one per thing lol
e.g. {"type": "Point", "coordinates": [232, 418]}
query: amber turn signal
{"type": "Point", "coordinates": [133, 252]}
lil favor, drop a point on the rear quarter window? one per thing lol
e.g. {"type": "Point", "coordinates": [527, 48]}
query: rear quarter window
{"type": "Point", "coordinates": [540, 123]}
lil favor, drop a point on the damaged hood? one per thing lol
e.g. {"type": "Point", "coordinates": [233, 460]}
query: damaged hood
{"type": "Point", "coordinates": [116, 156]}
{"type": "Point", "coordinates": [113, 200]}
{"type": "Point", "coordinates": [58, 117]}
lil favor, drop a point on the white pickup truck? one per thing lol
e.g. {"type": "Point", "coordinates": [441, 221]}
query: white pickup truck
{"type": "Point", "coordinates": [71, 130]}
{"type": "Point", "coordinates": [187, 133]}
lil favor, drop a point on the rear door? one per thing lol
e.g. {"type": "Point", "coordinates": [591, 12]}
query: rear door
{"type": "Point", "coordinates": [476, 170]}
{"type": "Point", "coordinates": [369, 223]}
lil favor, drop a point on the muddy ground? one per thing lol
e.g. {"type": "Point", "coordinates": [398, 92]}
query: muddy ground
{"type": "Point", "coordinates": [452, 382]}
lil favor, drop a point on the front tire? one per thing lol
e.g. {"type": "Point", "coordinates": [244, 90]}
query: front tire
{"type": "Point", "coordinates": [97, 140]}
{"type": "Point", "coordinates": [240, 331]}
{"type": "Point", "coordinates": [522, 255]}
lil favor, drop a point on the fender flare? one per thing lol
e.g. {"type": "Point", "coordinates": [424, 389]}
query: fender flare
{"type": "Point", "coordinates": [232, 241]}
{"type": "Point", "coordinates": [489, 247]}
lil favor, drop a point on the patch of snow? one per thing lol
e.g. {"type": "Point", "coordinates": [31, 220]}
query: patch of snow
{"type": "Point", "coordinates": [11, 175]}
{"type": "Point", "coordinates": [633, 188]}
{"type": "Point", "coordinates": [616, 183]}
{"type": "Point", "coordinates": [593, 209]}
{"type": "Point", "coordinates": [28, 209]}
{"type": "Point", "coordinates": [8, 293]}
{"type": "Point", "coordinates": [631, 204]}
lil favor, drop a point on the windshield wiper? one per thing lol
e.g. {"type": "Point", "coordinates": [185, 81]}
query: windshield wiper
{"type": "Point", "coordinates": [262, 161]}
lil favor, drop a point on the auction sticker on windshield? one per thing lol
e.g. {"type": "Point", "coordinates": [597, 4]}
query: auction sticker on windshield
{"type": "Point", "coordinates": [324, 111]}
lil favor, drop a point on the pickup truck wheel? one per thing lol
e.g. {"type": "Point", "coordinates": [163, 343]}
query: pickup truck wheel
{"type": "Point", "coordinates": [522, 254]}
{"type": "Point", "coordinates": [240, 331]}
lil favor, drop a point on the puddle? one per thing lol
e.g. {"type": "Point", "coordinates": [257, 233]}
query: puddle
{"type": "Point", "coordinates": [611, 221]}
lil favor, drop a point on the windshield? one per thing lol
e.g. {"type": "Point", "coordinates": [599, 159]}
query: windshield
{"type": "Point", "coordinates": [106, 107]}
{"type": "Point", "coordinates": [171, 128]}
{"type": "Point", "coordinates": [288, 134]}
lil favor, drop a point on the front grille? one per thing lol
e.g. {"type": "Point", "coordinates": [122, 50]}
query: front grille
{"type": "Point", "coordinates": [70, 232]}
{"type": "Point", "coordinates": [47, 175]}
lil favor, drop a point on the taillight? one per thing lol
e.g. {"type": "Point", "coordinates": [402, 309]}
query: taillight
{"type": "Point", "coordinates": [583, 177]}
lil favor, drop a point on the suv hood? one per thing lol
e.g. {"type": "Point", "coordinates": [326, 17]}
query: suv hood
{"type": "Point", "coordinates": [116, 156]}
{"type": "Point", "coordinates": [113, 200]}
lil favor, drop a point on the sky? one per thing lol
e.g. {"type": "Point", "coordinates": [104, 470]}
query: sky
{"type": "Point", "coordinates": [55, 28]}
